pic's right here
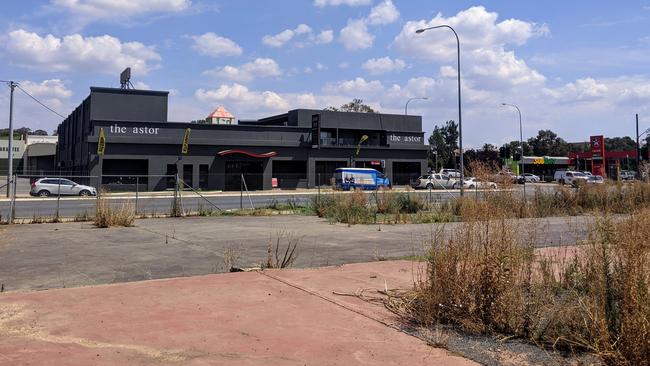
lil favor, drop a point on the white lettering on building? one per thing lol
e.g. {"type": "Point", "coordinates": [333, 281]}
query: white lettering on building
{"type": "Point", "coordinates": [116, 129]}
{"type": "Point", "coordinates": [397, 138]}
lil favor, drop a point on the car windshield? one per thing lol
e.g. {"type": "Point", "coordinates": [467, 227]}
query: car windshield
{"type": "Point", "coordinates": [578, 174]}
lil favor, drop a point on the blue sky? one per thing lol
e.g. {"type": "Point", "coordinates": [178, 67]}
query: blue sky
{"type": "Point", "coordinates": [578, 68]}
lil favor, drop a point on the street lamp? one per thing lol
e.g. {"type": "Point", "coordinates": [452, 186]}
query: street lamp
{"type": "Point", "coordinates": [460, 119]}
{"type": "Point", "coordinates": [406, 107]}
{"type": "Point", "coordinates": [521, 144]}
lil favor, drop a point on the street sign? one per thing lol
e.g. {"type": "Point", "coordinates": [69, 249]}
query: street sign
{"type": "Point", "coordinates": [186, 141]}
{"type": "Point", "coordinates": [101, 142]}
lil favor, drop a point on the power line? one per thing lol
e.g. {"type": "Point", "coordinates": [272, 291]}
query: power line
{"type": "Point", "coordinates": [39, 102]}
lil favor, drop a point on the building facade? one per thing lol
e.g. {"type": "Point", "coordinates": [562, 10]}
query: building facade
{"type": "Point", "coordinates": [297, 149]}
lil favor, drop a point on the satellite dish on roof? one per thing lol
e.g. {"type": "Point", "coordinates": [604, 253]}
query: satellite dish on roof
{"type": "Point", "coordinates": [125, 79]}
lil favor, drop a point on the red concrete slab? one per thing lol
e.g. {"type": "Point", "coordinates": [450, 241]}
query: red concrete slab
{"type": "Point", "coordinates": [229, 319]}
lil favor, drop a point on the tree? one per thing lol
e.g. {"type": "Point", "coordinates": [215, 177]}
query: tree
{"type": "Point", "coordinates": [489, 155]}
{"type": "Point", "coordinates": [356, 105]}
{"type": "Point", "coordinates": [547, 143]}
{"type": "Point", "coordinates": [40, 133]}
{"type": "Point", "coordinates": [620, 144]}
{"type": "Point", "coordinates": [17, 131]}
{"type": "Point", "coordinates": [444, 142]}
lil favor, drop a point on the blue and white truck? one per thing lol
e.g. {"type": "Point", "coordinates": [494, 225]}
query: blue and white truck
{"type": "Point", "coordinates": [360, 178]}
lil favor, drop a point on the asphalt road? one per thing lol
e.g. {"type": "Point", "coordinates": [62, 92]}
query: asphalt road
{"type": "Point", "coordinates": [32, 207]}
{"type": "Point", "coordinates": [151, 205]}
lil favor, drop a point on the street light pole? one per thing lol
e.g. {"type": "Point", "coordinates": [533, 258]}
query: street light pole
{"type": "Point", "coordinates": [460, 118]}
{"type": "Point", "coordinates": [521, 144]}
{"type": "Point", "coordinates": [406, 107]}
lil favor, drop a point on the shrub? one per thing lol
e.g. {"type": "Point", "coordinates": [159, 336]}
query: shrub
{"type": "Point", "coordinates": [483, 278]}
{"type": "Point", "coordinates": [107, 215]}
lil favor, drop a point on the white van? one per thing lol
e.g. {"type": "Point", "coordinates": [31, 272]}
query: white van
{"type": "Point", "coordinates": [570, 177]}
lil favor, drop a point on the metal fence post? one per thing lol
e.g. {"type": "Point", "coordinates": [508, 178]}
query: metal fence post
{"type": "Point", "coordinates": [137, 189]}
{"type": "Point", "coordinates": [11, 188]}
{"type": "Point", "coordinates": [58, 198]}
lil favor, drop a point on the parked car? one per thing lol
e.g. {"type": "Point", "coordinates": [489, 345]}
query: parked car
{"type": "Point", "coordinates": [570, 177]}
{"type": "Point", "coordinates": [46, 187]}
{"type": "Point", "coordinates": [472, 183]}
{"type": "Point", "coordinates": [451, 173]}
{"type": "Point", "coordinates": [595, 179]}
{"type": "Point", "coordinates": [627, 175]}
{"type": "Point", "coordinates": [362, 178]}
{"type": "Point", "coordinates": [434, 181]}
{"type": "Point", "coordinates": [507, 177]}
{"type": "Point", "coordinates": [531, 178]}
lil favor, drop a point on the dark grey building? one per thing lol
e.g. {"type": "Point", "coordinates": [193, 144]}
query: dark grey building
{"type": "Point", "coordinates": [300, 148]}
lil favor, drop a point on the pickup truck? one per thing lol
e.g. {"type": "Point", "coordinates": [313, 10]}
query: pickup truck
{"type": "Point", "coordinates": [435, 181]}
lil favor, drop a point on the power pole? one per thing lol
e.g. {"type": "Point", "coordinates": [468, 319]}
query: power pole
{"type": "Point", "coordinates": [638, 148]}
{"type": "Point", "coordinates": [10, 150]}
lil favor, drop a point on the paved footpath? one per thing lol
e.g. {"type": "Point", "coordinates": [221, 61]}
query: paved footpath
{"type": "Point", "coordinates": [275, 317]}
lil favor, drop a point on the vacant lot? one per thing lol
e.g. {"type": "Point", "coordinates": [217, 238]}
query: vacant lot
{"type": "Point", "coordinates": [78, 254]}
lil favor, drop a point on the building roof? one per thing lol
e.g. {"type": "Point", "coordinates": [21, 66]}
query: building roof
{"type": "Point", "coordinates": [221, 112]}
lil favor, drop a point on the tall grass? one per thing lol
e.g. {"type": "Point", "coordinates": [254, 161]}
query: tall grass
{"type": "Point", "coordinates": [107, 215]}
{"type": "Point", "coordinates": [485, 277]}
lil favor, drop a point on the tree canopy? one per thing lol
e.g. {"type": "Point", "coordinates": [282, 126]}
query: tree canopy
{"type": "Point", "coordinates": [547, 143]}
{"type": "Point", "coordinates": [444, 143]}
{"type": "Point", "coordinates": [356, 105]}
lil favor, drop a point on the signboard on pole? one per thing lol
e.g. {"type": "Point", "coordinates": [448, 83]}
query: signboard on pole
{"type": "Point", "coordinates": [101, 142]}
{"type": "Point", "coordinates": [598, 159]}
{"type": "Point", "coordinates": [186, 141]}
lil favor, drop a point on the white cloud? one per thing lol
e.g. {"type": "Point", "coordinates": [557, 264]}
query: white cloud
{"type": "Point", "coordinates": [320, 66]}
{"type": "Point", "coordinates": [49, 89]}
{"type": "Point", "coordinates": [326, 36]}
{"type": "Point", "coordinates": [239, 94]}
{"type": "Point", "coordinates": [210, 44]}
{"type": "Point", "coordinates": [87, 11]}
{"type": "Point", "coordinates": [376, 66]}
{"type": "Point", "coordinates": [142, 85]}
{"type": "Point", "coordinates": [502, 68]}
{"type": "Point", "coordinates": [279, 39]}
{"type": "Point", "coordinates": [302, 33]}
{"type": "Point", "coordinates": [486, 60]}
{"type": "Point", "coordinates": [324, 3]}
{"type": "Point", "coordinates": [355, 35]}
{"type": "Point", "coordinates": [105, 54]}
{"type": "Point", "coordinates": [384, 13]}
{"type": "Point", "coordinates": [356, 87]}
{"type": "Point", "coordinates": [587, 89]}
{"type": "Point", "coordinates": [302, 29]}
{"type": "Point", "coordinates": [260, 67]}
